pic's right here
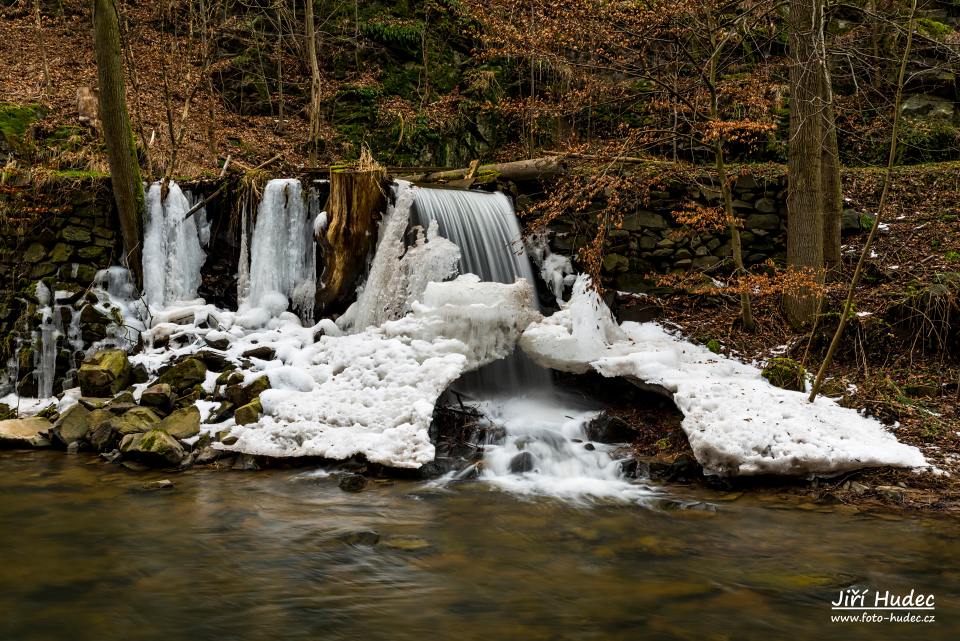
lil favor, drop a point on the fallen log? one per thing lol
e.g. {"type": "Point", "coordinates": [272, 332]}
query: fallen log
{"type": "Point", "coordinates": [519, 170]}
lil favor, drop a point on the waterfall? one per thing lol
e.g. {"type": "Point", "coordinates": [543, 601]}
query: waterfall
{"type": "Point", "coordinates": [172, 255]}
{"type": "Point", "coordinates": [485, 228]}
{"type": "Point", "coordinates": [283, 257]}
{"type": "Point", "coordinates": [545, 448]}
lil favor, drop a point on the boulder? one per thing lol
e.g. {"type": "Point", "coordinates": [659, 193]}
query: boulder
{"type": "Point", "coordinates": [263, 353]}
{"type": "Point", "coordinates": [182, 423]}
{"type": "Point", "coordinates": [121, 403]}
{"type": "Point", "coordinates": [522, 463]}
{"type": "Point", "coordinates": [240, 395]}
{"type": "Point", "coordinates": [610, 429]}
{"type": "Point", "coordinates": [72, 426]}
{"type": "Point", "coordinates": [155, 447]}
{"type": "Point", "coordinates": [184, 375]}
{"type": "Point", "coordinates": [762, 221]}
{"type": "Point", "coordinates": [249, 413]}
{"type": "Point", "coordinates": [105, 373]}
{"type": "Point", "coordinates": [213, 360]}
{"type": "Point", "coordinates": [24, 433]}
{"type": "Point", "coordinates": [136, 421]}
{"type": "Point", "coordinates": [159, 397]}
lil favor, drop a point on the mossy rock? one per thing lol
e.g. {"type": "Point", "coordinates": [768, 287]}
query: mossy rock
{"type": "Point", "coordinates": [136, 420]}
{"type": "Point", "coordinates": [241, 395]}
{"type": "Point", "coordinates": [160, 397]}
{"type": "Point", "coordinates": [785, 373]}
{"type": "Point", "coordinates": [184, 375]}
{"type": "Point", "coordinates": [249, 413]}
{"type": "Point", "coordinates": [16, 123]}
{"type": "Point", "coordinates": [155, 447]}
{"type": "Point", "coordinates": [183, 423]}
{"type": "Point", "coordinates": [105, 374]}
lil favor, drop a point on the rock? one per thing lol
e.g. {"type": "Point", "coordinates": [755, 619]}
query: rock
{"type": "Point", "coordinates": [766, 206]}
{"type": "Point", "coordinates": [360, 537]}
{"type": "Point", "coordinates": [24, 433]}
{"type": "Point", "coordinates": [35, 253]}
{"type": "Point", "coordinates": [121, 403]}
{"type": "Point", "coordinates": [221, 413]}
{"type": "Point", "coordinates": [641, 219]}
{"type": "Point", "coordinates": [155, 447]}
{"type": "Point", "coordinates": [610, 429]}
{"type": "Point", "coordinates": [769, 222]}
{"type": "Point", "coordinates": [218, 343]}
{"type": "Point", "coordinates": [352, 482]}
{"type": "Point", "coordinates": [684, 468]}
{"type": "Point", "coordinates": [249, 413]}
{"type": "Point", "coordinates": [160, 397]}
{"type": "Point", "coordinates": [229, 440]}
{"type": "Point", "coordinates": [589, 447]}
{"type": "Point", "coordinates": [75, 234]}
{"type": "Point", "coordinates": [522, 463]}
{"type": "Point", "coordinates": [263, 353]}
{"type": "Point", "coordinates": [184, 375]}
{"type": "Point", "coordinates": [99, 433]}
{"type": "Point", "coordinates": [152, 486]}
{"type": "Point", "coordinates": [615, 263]}
{"type": "Point", "coordinates": [785, 373]}
{"type": "Point", "coordinates": [72, 426]}
{"type": "Point", "coordinates": [136, 421]}
{"type": "Point", "coordinates": [241, 395]}
{"type": "Point", "coordinates": [183, 423]}
{"type": "Point", "coordinates": [207, 455]}
{"type": "Point", "coordinates": [246, 463]}
{"type": "Point", "coordinates": [849, 221]}
{"type": "Point", "coordinates": [213, 360]}
{"type": "Point", "coordinates": [928, 106]}
{"type": "Point", "coordinates": [139, 373]}
{"type": "Point", "coordinates": [105, 373]}
{"type": "Point", "coordinates": [229, 377]}
{"type": "Point", "coordinates": [407, 543]}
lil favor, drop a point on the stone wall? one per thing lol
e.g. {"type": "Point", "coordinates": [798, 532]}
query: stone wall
{"type": "Point", "coordinates": [651, 241]}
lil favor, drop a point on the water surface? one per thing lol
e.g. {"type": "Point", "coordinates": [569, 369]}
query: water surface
{"type": "Point", "coordinates": [88, 555]}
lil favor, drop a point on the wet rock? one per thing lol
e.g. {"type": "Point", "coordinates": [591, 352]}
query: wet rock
{"type": "Point", "coordinates": [684, 468]}
{"type": "Point", "coordinates": [263, 353]}
{"type": "Point", "coordinates": [360, 537]}
{"type": "Point", "coordinates": [159, 397]}
{"type": "Point", "coordinates": [249, 413]}
{"type": "Point", "coordinates": [72, 426]}
{"type": "Point", "coordinates": [246, 463]}
{"type": "Point", "coordinates": [184, 375]}
{"type": "Point", "coordinates": [229, 377]}
{"type": "Point", "coordinates": [152, 486]}
{"type": "Point", "coordinates": [93, 324]}
{"type": "Point", "coordinates": [352, 482]}
{"type": "Point", "coordinates": [610, 429]}
{"type": "Point", "coordinates": [229, 440]}
{"type": "Point", "coordinates": [108, 435]}
{"type": "Point", "coordinates": [207, 455]}
{"type": "Point", "coordinates": [139, 373]}
{"type": "Point", "coordinates": [155, 447]}
{"type": "Point", "coordinates": [522, 463]}
{"type": "Point", "coordinates": [24, 433]}
{"type": "Point", "coordinates": [183, 423]}
{"type": "Point", "coordinates": [589, 447]}
{"type": "Point", "coordinates": [105, 373]}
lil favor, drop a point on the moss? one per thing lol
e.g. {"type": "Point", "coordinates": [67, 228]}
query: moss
{"type": "Point", "coordinates": [714, 345]}
{"type": "Point", "coordinates": [785, 373]}
{"type": "Point", "coordinates": [16, 122]}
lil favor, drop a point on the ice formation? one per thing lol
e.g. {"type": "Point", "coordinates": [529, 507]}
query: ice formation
{"type": "Point", "coordinates": [555, 270]}
{"type": "Point", "coordinates": [172, 255]}
{"type": "Point", "coordinates": [283, 258]}
{"type": "Point", "coordinates": [736, 422]}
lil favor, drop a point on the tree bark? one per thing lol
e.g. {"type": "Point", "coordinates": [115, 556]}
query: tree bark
{"type": "Point", "coordinates": [121, 150]}
{"type": "Point", "coordinates": [356, 199]}
{"type": "Point", "coordinates": [311, 36]}
{"type": "Point", "coordinates": [830, 172]}
{"type": "Point", "coordinates": [805, 202]}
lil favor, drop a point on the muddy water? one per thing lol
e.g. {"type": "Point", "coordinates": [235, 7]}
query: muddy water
{"type": "Point", "coordinates": [85, 554]}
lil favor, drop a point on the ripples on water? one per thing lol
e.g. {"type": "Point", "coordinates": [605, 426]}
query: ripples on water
{"type": "Point", "coordinates": [87, 555]}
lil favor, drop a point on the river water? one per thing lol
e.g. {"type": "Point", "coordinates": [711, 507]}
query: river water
{"type": "Point", "coordinates": [86, 554]}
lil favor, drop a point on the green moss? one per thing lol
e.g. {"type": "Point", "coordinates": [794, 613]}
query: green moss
{"type": "Point", "coordinates": [933, 29]}
{"type": "Point", "coordinates": [785, 373]}
{"type": "Point", "coordinates": [714, 345]}
{"type": "Point", "coordinates": [16, 122]}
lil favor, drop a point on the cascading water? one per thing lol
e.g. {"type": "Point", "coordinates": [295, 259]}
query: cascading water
{"type": "Point", "coordinates": [172, 252]}
{"type": "Point", "coordinates": [545, 448]}
{"type": "Point", "coordinates": [45, 355]}
{"type": "Point", "coordinates": [282, 253]}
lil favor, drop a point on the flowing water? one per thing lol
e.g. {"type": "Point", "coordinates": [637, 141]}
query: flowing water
{"type": "Point", "coordinates": [88, 556]}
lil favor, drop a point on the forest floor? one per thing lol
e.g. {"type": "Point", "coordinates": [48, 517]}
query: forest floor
{"type": "Point", "coordinates": [900, 360]}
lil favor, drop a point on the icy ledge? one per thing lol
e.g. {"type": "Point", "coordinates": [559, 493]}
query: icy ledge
{"type": "Point", "coordinates": [737, 423]}
{"type": "Point", "coordinates": [373, 393]}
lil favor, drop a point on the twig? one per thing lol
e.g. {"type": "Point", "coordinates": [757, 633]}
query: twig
{"type": "Point", "coordinates": [203, 203]}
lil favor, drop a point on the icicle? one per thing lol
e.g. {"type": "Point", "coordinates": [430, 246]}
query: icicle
{"type": "Point", "coordinates": [45, 344]}
{"type": "Point", "coordinates": [172, 256]}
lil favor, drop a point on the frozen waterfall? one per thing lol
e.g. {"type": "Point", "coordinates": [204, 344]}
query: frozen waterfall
{"type": "Point", "coordinates": [172, 255]}
{"type": "Point", "coordinates": [283, 257]}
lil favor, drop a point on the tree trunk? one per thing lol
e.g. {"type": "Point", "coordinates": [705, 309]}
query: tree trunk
{"type": "Point", "coordinates": [121, 150]}
{"type": "Point", "coordinates": [830, 173]}
{"type": "Point", "coordinates": [805, 202]}
{"type": "Point", "coordinates": [356, 200]}
{"type": "Point", "coordinates": [518, 170]}
{"type": "Point", "coordinates": [311, 36]}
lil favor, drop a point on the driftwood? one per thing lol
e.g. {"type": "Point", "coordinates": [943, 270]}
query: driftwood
{"type": "Point", "coordinates": [520, 170]}
{"type": "Point", "coordinates": [356, 200]}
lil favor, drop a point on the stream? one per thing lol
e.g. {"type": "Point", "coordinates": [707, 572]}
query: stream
{"type": "Point", "coordinates": [88, 554]}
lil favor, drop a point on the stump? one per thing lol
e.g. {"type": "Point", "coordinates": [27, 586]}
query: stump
{"type": "Point", "coordinates": [353, 211]}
